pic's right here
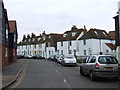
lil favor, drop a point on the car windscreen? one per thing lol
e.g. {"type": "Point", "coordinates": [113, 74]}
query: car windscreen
{"type": "Point", "coordinates": [107, 60]}
{"type": "Point", "coordinates": [69, 57]}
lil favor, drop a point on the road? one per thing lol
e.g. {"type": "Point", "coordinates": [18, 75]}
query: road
{"type": "Point", "coordinates": [49, 74]}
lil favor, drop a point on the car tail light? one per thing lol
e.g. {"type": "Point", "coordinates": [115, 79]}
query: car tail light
{"type": "Point", "coordinates": [119, 66]}
{"type": "Point", "coordinates": [96, 66]}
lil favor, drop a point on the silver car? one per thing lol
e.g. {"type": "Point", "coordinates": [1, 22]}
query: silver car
{"type": "Point", "coordinates": [69, 60]}
{"type": "Point", "coordinates": [100, 66]}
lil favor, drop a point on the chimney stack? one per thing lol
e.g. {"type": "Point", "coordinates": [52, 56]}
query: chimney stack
{"type": "Point", "coordinates": [85, 28]}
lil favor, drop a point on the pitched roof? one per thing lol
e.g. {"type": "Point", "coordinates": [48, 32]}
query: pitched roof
{"type": "Point", "coordinates": [12, 25]}
{"type": "Point", "coordinates": [112, 35]}
{"type": "Point", "coordinates": [111, 46]}
{"type": "Point", "coordinates": [53, 39]}
{"type": "Point", "coordinates": [96, 34]}
{"type": "Point", "coordinates": [69, 33]}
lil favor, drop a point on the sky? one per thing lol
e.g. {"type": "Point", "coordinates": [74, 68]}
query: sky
{"type": "Point", "coordinates": [58, 16]}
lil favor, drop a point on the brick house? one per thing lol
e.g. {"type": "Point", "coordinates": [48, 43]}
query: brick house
{"type": "Point", "coordinates": [13, 35]}
{"type": "Point", "coordinates": [4, 29]}
{"type": "Point", "coordinates": [8, 38]}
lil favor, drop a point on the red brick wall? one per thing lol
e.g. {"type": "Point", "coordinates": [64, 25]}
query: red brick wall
{"type": "Point", "coordinates": [4, 59]}
{"type": "Point", "coordinates": [0, 57]}
{"type": "Point", "coordinates": [12, 55]}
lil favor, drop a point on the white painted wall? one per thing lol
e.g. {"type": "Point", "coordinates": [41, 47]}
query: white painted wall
{"type": "Point", "coordinates": [94, 46]}
{"type": "Point", "coordinates": [74, 46]}
{"type": "Point", "coordinates": [64, 47]}
{"type": "Point", "coordinates": [43, 50]}
{"type": "Point", "coordinates": [51, 50]}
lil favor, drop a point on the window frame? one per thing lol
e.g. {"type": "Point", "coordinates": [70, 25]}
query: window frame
{"type": "Point", "coordinates": [61, 43]}
{"type": "Point", "coordinates": [84, 42]}
{"type": "Point", "coordinates": [85, 52]}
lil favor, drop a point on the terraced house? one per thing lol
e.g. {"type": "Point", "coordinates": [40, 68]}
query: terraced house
{"type": "Point", "coordinates": [27, 45]}
{"type": "Point", "coordinates": [78, 42]}
{"type": "Point", "coordinates": [44, 44]}
{"type": "Point", "coordinates": [69, 43]}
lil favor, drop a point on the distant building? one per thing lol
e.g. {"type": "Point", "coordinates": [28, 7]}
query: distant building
{"type": "Point", "coordinates": [45, 45]}
{"type": "Point", "coordinates": [78, 42]}
{"type": "Point", "coordinates": [51, 44]}
{"type": "Point", "coordinates": [28, 45]}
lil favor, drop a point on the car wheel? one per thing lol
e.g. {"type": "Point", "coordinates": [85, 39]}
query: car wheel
{"type": "Point", "coordinates": [92, 77]}
{"type": "Point", "coordinates": [81, 71]}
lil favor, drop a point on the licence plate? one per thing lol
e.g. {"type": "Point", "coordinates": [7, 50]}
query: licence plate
{"type": "Point", "coordinates": [108, 68]}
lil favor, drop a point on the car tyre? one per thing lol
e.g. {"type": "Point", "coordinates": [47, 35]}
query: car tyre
{"type": "Point", "coordinates": [92, 77]}
{"type": "Point", "coordinates": [81, 72]}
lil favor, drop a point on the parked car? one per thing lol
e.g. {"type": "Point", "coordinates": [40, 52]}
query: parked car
{"type": "Point", "coordinates": [69, 60]}
{"type": "Point", "coordinates": [28, 56]}
{"type": "Point", "coordinates": [56, 57]}
{"type": "Point", "coordinates": [100, 66]}
{"type": "Point", "coordinates": [20, 56]}
{"type": "Point", "coordinates": [51, 57]}
{"type": "Point", "coordinates": [37, 57]}
{"type": "Point", "coordinates": [60, 58]}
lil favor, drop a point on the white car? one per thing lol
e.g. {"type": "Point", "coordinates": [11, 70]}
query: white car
{"type": "Point", "coordinates": [28, 56]}
{"type": "Point", "coordinates": [69, 60]}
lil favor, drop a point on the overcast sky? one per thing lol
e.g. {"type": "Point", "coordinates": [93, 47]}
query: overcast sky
{"type": "Point", "coordinates": [57, 16]}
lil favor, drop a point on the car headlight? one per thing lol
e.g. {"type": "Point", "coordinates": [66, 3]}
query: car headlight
{"type": "Point", "coordinates": [74, 61]}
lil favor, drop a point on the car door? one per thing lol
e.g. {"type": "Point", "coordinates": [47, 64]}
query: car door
{"type": "Point", "coordinates": [90, 64]}
{"type": "Point", "coordinates": [85, 64]}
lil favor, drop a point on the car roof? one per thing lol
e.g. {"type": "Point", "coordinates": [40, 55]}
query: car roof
{"type": "Point", "coordinates": [101, 55]}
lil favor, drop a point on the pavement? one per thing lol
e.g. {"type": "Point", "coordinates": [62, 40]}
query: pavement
{"type": "Point", "coordinates": [11, 72]}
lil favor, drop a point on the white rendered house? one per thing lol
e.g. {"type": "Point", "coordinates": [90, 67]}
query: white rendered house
{"type": "Point", "coordinates": [95, 42]}
{"type": "Point", "coordinates": [69, 44]}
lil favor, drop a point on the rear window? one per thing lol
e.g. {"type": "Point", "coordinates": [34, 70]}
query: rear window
{"type": "Point", "coordinates": [69, 57]}
{"type": "Point", "coordinates": [107, 60]}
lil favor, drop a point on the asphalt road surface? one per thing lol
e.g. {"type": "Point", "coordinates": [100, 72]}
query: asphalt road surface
{"type": "Point", "coordinates": [49, 74]}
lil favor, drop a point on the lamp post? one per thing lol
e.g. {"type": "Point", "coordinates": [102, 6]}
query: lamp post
{"type": "Point", "coordinates": [117, 34]}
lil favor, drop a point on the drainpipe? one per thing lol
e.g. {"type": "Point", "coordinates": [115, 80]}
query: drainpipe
{"type": "Point", "coordinates": [100, 47]}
